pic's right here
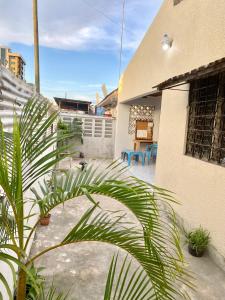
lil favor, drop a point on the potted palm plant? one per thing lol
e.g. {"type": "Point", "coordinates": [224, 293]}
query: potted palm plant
{"type": "Point", "coordinates": [25, 160]}
{"type": "Point", "coordinates": [45, 219]}
{"type": "Point", "coordinates": [33, 292]}
{"type": "Point", "coordinates": [198, 241]}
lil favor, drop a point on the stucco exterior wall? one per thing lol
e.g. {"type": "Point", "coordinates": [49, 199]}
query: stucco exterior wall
{"type": "Point", "coordinates": [122, 139]}
{"type": "Point", "coordinates": [198, 32]}
{"type": "Point", "coordinates": [198, 185]}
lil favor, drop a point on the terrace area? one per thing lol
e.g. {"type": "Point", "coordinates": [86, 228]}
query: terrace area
{"type": "Point", "coordinates": [84, 266]}
{"type": "Point", "coordinates": [81, 216]}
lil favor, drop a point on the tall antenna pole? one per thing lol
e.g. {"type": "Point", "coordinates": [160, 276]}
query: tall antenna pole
{"type": "Point", "coordinates": [36, 46]}
{"type": "Point", "coordinates": [121, 37]}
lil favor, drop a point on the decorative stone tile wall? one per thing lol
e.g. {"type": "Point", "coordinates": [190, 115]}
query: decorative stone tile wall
{"type": "Point", "coordinates": [139, 113]}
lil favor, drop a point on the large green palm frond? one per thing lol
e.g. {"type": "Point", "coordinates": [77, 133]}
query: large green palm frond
{"type": "Point", "coordinates": [127, 283]}
{"type": "Point", "coordinates": [7, 222]}
{"type": "Point", "coordinates": [26, 156]}
{"type": "Point", "coordinates": [37, 139]}
{"type": "Point", "coordinates": [155, 244]}
{"type": "Point", "coordinates": [51, 293]}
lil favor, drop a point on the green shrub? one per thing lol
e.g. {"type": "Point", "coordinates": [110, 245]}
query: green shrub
{"type": "Point", "coordinates": [32, 292]}
{"type": "Point", "coordinates": [198, 239]}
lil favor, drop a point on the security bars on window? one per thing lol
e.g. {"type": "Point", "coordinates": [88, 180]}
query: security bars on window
{"type": "Point", "coordinates": [206, 125]}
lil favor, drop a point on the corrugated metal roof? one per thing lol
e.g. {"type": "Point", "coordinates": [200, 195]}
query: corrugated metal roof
{"type": "Point", "coordinates": [109, 99]}
{"type": "Point", "coordinates": [57, 99]}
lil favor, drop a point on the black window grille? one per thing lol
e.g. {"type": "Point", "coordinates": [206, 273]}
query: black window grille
{"type": "Point", "coordinates": [206, 124]}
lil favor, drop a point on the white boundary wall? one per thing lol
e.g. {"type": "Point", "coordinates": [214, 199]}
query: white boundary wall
{"type": "Point", "coordinates": [98, 134]}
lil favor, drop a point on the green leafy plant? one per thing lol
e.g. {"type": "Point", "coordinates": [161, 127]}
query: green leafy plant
{"type": "Point", "coordinates": [126, 284]}
{"type": "Point", "coordinates": [74, 129]}
{"type": "Point", "coordinates": [77, 130]}
{"type": "Point", "coordinates": [25, 157]}
{"type": "Point", "coordinates": [52, 294]}
{"type": "Point", "coordinates": [198, 240]}
{"type": "Point", "coordinates": [63, 126]}
{"type": "Point", "coordinates": [33, 291]}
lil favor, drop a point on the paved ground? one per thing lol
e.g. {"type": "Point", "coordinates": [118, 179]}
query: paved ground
{"type": "Point", "coordinates": [84, 266]}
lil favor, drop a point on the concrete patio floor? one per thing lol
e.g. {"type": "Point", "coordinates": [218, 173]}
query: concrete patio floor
{"type": "Point", "coordinates": [82, 268]}
{"type": "Point", "coordinates": [146, 172]}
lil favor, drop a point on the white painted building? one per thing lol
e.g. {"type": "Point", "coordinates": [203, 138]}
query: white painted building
{"type": "Point", "coordinates": [191, 149]}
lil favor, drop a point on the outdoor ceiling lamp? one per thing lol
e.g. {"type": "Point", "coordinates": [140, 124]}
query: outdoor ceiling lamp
{"type": "Point", "coordinates": [166, 42]}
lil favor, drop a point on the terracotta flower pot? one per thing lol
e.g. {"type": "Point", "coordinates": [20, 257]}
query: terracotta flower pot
{"type": "Point", "coordinates": [44, 221]}
{"type": "Point", "coordinates": [195, 253]}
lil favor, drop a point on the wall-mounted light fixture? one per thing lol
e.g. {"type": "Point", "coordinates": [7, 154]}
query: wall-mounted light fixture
{"type": "Point", "coordinates": [166, 42]}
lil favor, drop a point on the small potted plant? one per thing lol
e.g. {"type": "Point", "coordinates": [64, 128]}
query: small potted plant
{"type": "Point", "coordinates": [198, 241]}
{"type": "Point", "coordinates": [45, 219]}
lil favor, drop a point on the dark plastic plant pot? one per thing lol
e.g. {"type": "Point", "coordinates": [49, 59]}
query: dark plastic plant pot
{"type": "Point", "coordinates": [195, 253]}
{"type": "Point", "coordinates": [44, 221]}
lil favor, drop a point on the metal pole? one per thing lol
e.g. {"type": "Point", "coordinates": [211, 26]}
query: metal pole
{"type": "Point", "coordinates": [36, 46]}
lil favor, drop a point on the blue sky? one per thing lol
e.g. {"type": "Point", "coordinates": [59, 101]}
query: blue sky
{"type": "Point", "coordinates": [79, 41]}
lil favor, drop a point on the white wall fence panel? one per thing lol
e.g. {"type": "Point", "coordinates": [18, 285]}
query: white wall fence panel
{"type": "Point", "coordinates": [14, 93]}
{"type": "Point", "coordinates": [98, 134]}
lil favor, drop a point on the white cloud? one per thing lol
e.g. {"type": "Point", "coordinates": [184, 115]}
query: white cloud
{"type": "Point", "coordinates": [76, 25]}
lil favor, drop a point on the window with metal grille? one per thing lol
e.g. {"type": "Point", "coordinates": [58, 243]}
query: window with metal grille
{"type": "Point", "coordinates": [206, 124]}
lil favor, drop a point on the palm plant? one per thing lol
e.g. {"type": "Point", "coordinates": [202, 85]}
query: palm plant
{"type": "Point", "coordinates": [154, 244]}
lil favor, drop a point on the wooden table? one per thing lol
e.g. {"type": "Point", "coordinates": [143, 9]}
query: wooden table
{"type": "Point", "coordinates": [137, 144]}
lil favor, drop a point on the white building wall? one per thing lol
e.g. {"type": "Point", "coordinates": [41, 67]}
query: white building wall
{"type": "Point", "coordinates": [197, 29]}
{"type": "Point", "coordinates": [123, 139]}
{"type": "Point", "coordinates": [199, 185]}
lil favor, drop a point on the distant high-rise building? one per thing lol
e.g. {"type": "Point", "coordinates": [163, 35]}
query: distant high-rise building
{"type": "Point", "coordinates": [4, 54]}
{"type": "Point", "coordinates": [13, 61]}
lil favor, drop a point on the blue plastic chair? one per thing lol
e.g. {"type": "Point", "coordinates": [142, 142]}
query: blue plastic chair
{"type": "Point", "coordinates": [151, 151]}
{"type": "Point", "coordinates": [131, 153]}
